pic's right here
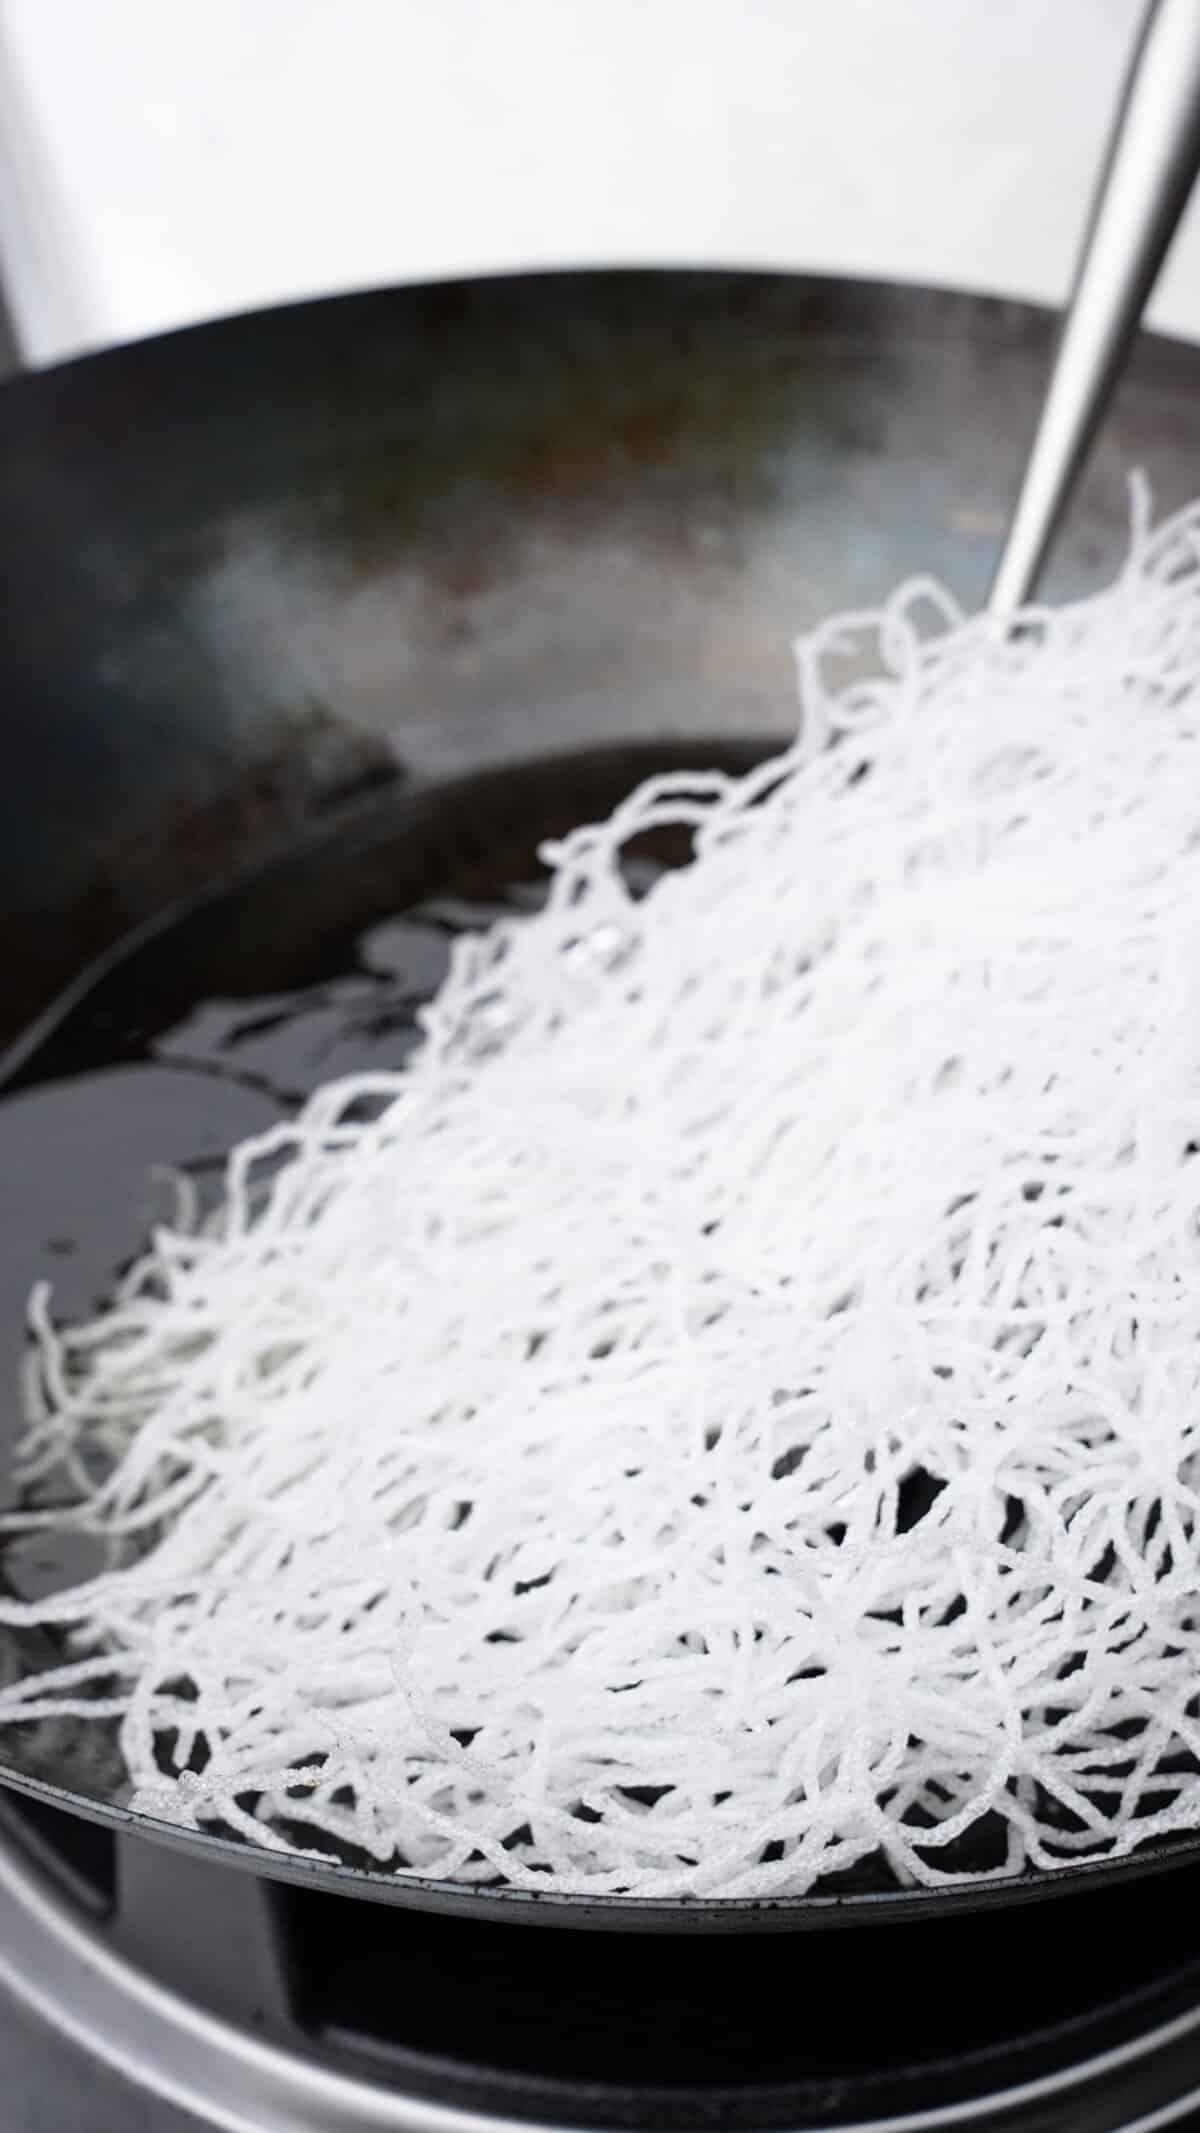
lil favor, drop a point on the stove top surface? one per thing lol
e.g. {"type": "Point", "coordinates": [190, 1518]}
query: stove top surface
{"type": "Point", "coordinates": [229, 2001]}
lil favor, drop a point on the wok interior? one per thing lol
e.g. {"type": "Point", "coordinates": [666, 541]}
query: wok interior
{"type": "Point", "coordinates": [424, 540]}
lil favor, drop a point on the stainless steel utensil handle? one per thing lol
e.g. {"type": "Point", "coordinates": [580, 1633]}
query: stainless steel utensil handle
{"type": "Point", "coordinates": [1148, 172]}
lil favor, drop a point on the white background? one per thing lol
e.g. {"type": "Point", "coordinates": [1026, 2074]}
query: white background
{"type": "Point", "coordinates": [167, 160]}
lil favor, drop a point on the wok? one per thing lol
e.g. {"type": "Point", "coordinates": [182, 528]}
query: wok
{"type": "Point", "coordinates": [408, 580]}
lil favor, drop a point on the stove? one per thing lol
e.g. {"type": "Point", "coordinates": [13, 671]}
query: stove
{"type": "Point", "coordinates": [142, 1991]}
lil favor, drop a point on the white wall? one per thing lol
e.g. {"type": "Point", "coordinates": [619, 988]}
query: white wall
{"type": "Point", "coordinates": [163, 162]}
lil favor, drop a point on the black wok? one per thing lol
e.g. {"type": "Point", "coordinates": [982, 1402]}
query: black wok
{"type": "Point", "coordinates": [412, 579]}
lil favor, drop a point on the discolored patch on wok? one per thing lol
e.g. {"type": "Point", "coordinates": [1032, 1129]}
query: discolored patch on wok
{"type": "Point", "coordinates": [248, 569]}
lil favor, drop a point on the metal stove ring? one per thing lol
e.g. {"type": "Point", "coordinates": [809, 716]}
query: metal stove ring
{"type": "Point", "coordinates": [62, 1971]}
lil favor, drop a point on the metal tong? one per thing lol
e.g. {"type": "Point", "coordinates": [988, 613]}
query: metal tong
{"type": "Point", "coordinates": [1147, 175]}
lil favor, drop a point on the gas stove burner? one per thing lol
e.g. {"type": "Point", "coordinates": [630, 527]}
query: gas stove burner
{"type": "Point", "coordinates": [261, 2008]}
